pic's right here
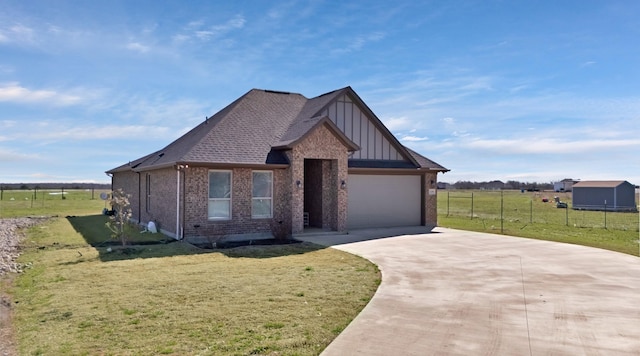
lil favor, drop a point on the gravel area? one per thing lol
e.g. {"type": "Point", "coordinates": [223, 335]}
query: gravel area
{"type": "Point", "coordinates": [10, 238]}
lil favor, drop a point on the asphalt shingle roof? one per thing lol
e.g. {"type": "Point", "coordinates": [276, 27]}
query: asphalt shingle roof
{"type": "Point", "coordinates": [253, 130]}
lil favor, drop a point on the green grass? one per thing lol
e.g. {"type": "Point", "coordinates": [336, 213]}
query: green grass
{"type": "Point", "coordinates": [17, 203]}
{"type": "Point", "coordinates": [525, 215]}
{"type": "Point", "coordinates": [78, 298]}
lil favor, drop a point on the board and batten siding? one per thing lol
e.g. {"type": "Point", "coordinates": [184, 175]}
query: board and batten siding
{"type": "Point", "coordinates": [360, 129]}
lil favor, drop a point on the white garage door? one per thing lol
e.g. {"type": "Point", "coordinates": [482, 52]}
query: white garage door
{"type": "Point", "coordinates": [383, 201]}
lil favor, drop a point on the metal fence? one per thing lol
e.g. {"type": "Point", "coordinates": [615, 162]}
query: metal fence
{"type": "Point", "coordinates": [531, 208]}
{"type": "Point", "coordinates": [33, 202]}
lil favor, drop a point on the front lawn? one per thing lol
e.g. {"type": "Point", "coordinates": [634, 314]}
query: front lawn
{"type": "Point", "coordinates": [77, 298]}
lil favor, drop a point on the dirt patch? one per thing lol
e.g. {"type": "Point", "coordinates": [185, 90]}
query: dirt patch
{"type": "Point", "coordinates": [10, 237]}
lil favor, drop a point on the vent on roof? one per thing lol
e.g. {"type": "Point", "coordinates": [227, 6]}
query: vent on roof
{"type": "Point", "coordinates": [277, 92]}
{"type": "Point", "coordinates": [160, 155]}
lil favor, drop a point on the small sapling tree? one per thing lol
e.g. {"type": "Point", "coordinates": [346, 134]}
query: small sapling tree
{"type": "Point", "coordinates": [121, 214]}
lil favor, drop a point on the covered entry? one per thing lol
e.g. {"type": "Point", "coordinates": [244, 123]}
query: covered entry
{"type": "Point", "coordinates": [320, 194]}
{"type": "Point", "coordinates": [384, 201]}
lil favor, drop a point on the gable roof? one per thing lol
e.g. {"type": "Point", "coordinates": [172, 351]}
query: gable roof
{"type": "Point", "coordinates": [303, 127]}
{"type": "Point", "coordinates": [256, 128]}
{"type": "Point", "coordinates": [599, 183]}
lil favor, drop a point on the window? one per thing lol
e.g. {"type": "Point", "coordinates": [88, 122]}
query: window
{"type": "Point", "coordinates": [261, 199]}
{"type": "Point", "coordinates": [220, 195]}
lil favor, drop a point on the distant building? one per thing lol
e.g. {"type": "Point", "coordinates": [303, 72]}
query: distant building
{"type": "Point", "coordinates": [444, 185]}
{"type": "Point", "coordinates": [493, 185]}
{"type": "Point", "coordinates": [615, 195]}
{"type": "Point", "coordinates": [564, 185]}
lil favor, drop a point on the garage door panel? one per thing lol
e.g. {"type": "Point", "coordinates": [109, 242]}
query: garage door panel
{"type": "Point", "coordinates": [383, 201]}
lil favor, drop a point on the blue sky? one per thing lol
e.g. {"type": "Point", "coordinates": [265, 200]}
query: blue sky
{"type": "Point", "coordinates": [508, 90]}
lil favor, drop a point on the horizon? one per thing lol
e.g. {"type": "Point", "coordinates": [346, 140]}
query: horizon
{"type": "Point", "coordinates": [531, 92]}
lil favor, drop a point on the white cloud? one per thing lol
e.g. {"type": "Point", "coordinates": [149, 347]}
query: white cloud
{"type": "Point", "coordinates": [14, 92]}
{"type": "Point", "coordinates": [535, 145]}
{"type": "Point", "coordinates": [8, 123]}
{"type": "Point", "coordinates": [460, 134]}
{"type": "Point", "coordinates": [397, 123]}
{"type": "Point", "coordinates": [356, 43]}
{"type": "Point", "coordinates": [477, 84]}
{"type": "Point", "coordinates": [180, 38]}
{"type": "Point", "coordinates": [196, 29]}
{"type": "Point", "coordinates": [17, 33]}
{"type": "Point", "coordinates": [9, 155]}
{"type": "Point", "coordinates": [138, 47]}
{"type": "Point", "coordinates": [157, 109]}
{"type": "Point", "coordinates": [47, 132]}
{"type": "Point", "coordinates": [413, 138]}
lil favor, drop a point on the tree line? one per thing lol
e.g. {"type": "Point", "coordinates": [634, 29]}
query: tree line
{"type": "Point", "coordinates": [497, 185]}
{"type": "Point", "coordinates": [50, 186]}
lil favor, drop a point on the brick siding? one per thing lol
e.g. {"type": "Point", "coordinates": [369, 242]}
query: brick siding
{"type": "Point", "coordinates": [321, 144]}
{"type": "Point", "coordinates": [288, 200]}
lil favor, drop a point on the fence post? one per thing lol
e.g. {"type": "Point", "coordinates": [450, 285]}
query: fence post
{"type": "Point", "coordinates": [531, 211]}
{"type": "Point", "coordinates": [605, 214]}
{"type": "Point", "coordinates": [501, 212]}
{"type": "Point", "coordinates": [566, 219]}
{"type": "Point", "coordinates": [448, 203]}
{"type": "Point", "coordinates": [471, 205]}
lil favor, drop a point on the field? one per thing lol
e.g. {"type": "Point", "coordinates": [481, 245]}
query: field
{"type": "Point", "coordinates": [80, 296]}
{"type": "Point", "coordinates": [526, 215]}
{"type": "Point", "coordinates": [15, 203]}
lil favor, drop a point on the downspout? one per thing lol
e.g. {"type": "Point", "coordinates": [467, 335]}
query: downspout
{"type": "Point", "coordinates": [111, 178]}
{"type": "Point", "coordinates": [139, 200]}
{"type": "Point", "coordinates": [178, 202]}
{"type": "Point", "coordinates": [184, 193]}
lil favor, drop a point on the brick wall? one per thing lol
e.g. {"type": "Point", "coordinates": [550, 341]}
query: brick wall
{"type": "Point", "coordinates": [160, 206]}
{"type": "Point", "coordinates": [128, 182]}
{"type": "Point", "coordinates": [320, 144]}
{"type": "Point", "coordinates": [430, 201]}
{"type": "Point", "coordinates": [288, 200]}
{"type": "Point", "coordinates": [197, 223]}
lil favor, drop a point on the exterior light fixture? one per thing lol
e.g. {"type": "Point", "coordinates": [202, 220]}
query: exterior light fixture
{"type": "Point", "coordinates": [298, 184]}
{"type": "Point", "coordinates": [343, 184]}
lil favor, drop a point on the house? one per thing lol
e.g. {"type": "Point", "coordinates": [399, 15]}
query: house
{"type": "Point", "coordinates": [493, 185]}
{"type": "Point", "coordinates": [279, 163]}
{"type": "Point", "coordinates": [615, 195]}
{"type": "Point", "coordinates": [565, 185]}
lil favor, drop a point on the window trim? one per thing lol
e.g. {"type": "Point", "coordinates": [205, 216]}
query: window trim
{"type": "Point", "coordinates": [229, 199]}
{"type": "Point", "coordinates": [270, 198]}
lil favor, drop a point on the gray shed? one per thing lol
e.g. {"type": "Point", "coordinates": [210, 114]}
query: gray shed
{"type": "Point", "coordinates": [617, 195]}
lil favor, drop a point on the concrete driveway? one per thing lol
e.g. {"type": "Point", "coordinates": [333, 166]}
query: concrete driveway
{"type": "Point", "coordinates": [454, 292]}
